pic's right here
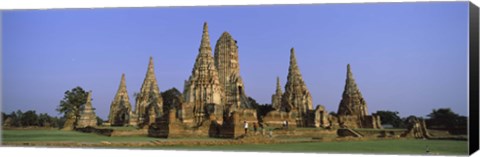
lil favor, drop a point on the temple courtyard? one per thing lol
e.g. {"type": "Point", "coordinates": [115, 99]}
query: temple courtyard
{"type": "Point", "coordinates": [253, 142]}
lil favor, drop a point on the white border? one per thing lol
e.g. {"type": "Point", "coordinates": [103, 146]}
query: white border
{"type": "Point", "coordinates": [74, 152]}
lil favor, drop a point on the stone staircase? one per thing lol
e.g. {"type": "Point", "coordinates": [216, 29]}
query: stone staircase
{"type": "Point", "coordinates": [348, 132]}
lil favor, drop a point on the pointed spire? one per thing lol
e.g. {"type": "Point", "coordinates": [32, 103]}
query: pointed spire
{"type": "Point", "coordinates": [350, 85]}
{"type": "Point", "coordinates": [279, 87]}
{"type": "Point", "coordinates": [292, 55]}
{"type": "Point", "coordinates": [293, 62]}
{"type": "Point", "coordinates": [225, 35]}
{"type": "Point", "coordinates": [352, 102]}
{"type": "Point", "coordinates": [123, 83]}
{"type": "Point", "coordinates": [87, 114]}
{"type": "Point", "coordinates": [205, 43]}
{"type": "Point", "coordinates": [296, 94]}
{"type": "Point", "coordinates": [120, 103]}
{"type": "Point", "coordinates": [88, 104]}
{"type": "Point", "coordinates": [349, 72]}
{"type": "Point", "coordinates": [203, 85]}
{"type": "Point", "coordinates": [150, 79]}
{"type": "Point", "coordinates": [122, 90]}
{"type": "Point", "coordinates": [150, 70]}
{"type": "Point", "coordinates": [89, 97]}
{"type": "Point", "coordinates": [150, 85]}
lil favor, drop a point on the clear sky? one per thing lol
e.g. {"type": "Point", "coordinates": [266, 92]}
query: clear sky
{"type": "Point", "coordinates": [406, 57]}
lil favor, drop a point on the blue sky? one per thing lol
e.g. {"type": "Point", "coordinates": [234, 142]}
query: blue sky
{"type": "Point", "coordinates": [406, 57]}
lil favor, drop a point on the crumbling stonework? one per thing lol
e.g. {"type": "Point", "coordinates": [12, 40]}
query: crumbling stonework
{"type": "Point", "coordinates": [227, 64]}
{"type": "Point", "coordinates": [277, 119]}
{"type": "Point", "coordinates": [149, 102]}
{"type": "Point", "coordinates": [352, 102]}
{"type": "Point", "coordinates": [214, 103]}
{"type": "Point", "coordinates": [352, 111]}
{"type": "Point", "coordinates": [120, 109]}
{"type": "Point", "coordinates": [203, 86]}
{"type": "Point", "coordinates": [70, 121]}
{"type": "Point", "coordinates": [277, 97]}
{"type": "Point", "coordinates": [87, 114]}
{"type": "Point", "coordinates": [416, 129]}
{"type": "Point", "coordinates": [296, 96]}
{"type": "Point", "coordinates": [319, 117]}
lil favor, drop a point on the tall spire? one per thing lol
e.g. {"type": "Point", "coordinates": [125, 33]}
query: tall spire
{"type": "Point", "coordinates": [293, 59]}
{"type": "Point", "coordinates": [143, 99]}
{"type": "Point", "coordinates": [352, 102]}
{"type": "Point", "coordinates": [203, 86]}
{"type": "Point", "coordinates": [120, 107]}
{"type": "Point", "coordinates": [349, 73]}
{"type": "Point", "coordinates": [122, 89]}
{"type": "Point", "coordinates": [123, 84]}
{"type": "Point", "coordinates": [296, 96]}
{"type": "Point", "coordinates": [279, 87]}
{"type": "Point", "coordinates": [87, 114]}
{"type": "Point", "coordinates": [150, 79]}
{"type": "Point", "coordinates": [205, 43]}
{"type": "Point", "coordinates": [228, 67]}
{"type": "Point", "coordinates": [89, 100]}
{"type": "Point", "coordinates": [150, 70]}
{"type": "Point", "coordinates": [277, 97]}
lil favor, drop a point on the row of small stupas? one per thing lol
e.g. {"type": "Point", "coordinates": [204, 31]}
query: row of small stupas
{"type": "Point", "coordinates": [214, 93]}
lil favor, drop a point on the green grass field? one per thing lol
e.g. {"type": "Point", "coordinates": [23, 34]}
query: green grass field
{"type": "Point", "coordinates": [401, 146]}
{"type": "Point", "coordinates": [369, 147]}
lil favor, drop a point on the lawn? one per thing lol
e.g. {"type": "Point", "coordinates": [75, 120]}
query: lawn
{"type": "Point", "coordinates": [62, 136]}
{"type": "Point", "coordinates": [55, 135]}
{"type": "Point", "coordinates": [401, 146]}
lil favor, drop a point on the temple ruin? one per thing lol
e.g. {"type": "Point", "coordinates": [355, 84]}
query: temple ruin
{"type": "Point", "coordinates": [277, 97]}
{"type": "Point", "coordinates": [352, 111]}
{"type": "Point", "coordinates": [120, 109]}
{"type": "Point", "coordinates": [203, 90]}
{"type": "Point", "coordinates": [149, 102]}
{"type": "Point", "coordinates": [227, 64]}
{"type": "Point", "coordinates": [87, 118]}
{"type": "Point", "coordinates": [214, 102]}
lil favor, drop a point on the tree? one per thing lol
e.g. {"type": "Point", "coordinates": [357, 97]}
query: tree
{"type": "Point", "coordinates": [253, 102]}
{"type": "Point", "coordinates": [99, 121]}
{"type": "Point", "coordinates": [4, 116]}
{"type": "Point", "coordinates": [333, 113]}
{"type": "Point", "coordinates": [392, 118]}
{"type": "Point", "coordinates": [44, 120]}
{"type": "Point", "coordinates": [16, 118]}
{"type": "Point", "coordinates": [72, 101]}
{"type": "Point", "coordinates": [262, 111]}
{"type": "Point", "coordinates": [446, 118]}
{"type": "Point", "coordinates": [29, 118]}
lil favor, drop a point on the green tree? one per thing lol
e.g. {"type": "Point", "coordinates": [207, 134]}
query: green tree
{"type": "Point", "coordinates": [446, 118]}
{"type": "Point", "coordinates": [16, 118]}
{"type": "Point", "coordinates": [253, 102]}
{"type": "Point", "coordinates": [4, 116]}
{"type": "Point", "coordinates": [99, 121]}
{"type": "Point", "coordinates": [72, 101]}
{"type": "Point", "coordinates": [29, 118]}
{"type": "Point", "coordinates": [333, 113]}
{"type": "Point", "coordinates": [45, 120]}
{"type": "Point", "coordinates": [391, 117]}
{"type": "Point", "coordinates": [262, 111]}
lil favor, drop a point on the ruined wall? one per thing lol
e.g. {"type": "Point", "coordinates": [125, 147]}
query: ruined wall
{"type": "Point", "coordinates": [349, 122]}
{"type": "Point", "coordinates": [277, 118]}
